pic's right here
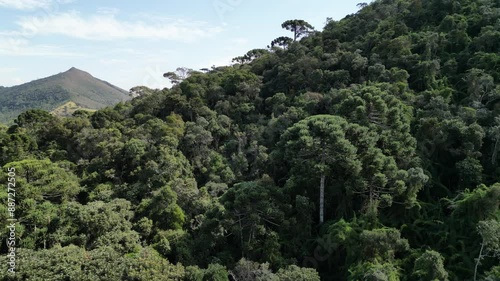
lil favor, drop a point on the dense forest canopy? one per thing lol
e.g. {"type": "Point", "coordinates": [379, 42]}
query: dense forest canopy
{"type": "Point", "coordinates": [365, 151]}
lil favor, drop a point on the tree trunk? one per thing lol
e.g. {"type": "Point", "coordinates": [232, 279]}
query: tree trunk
{"type": "Point", "coordinates": [478, 261]}
{"type": "Point", "coordinates": [241, 236]}
{"type": "Point", "coordinates": [321, 199]}
{"type": "Point", "coordinates": [495, 151]}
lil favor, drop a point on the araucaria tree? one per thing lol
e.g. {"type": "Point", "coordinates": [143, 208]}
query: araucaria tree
{"type": "Point", "coordinates": [317, 147]}
{"type": "Point", "coordinates": [298, 27]}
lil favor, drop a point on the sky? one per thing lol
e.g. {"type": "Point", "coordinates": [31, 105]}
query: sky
{"type": "Point", "coordinates": [132, 43]}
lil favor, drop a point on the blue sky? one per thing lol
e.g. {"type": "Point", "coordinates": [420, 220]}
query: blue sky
{"type": "Point", "coordinates": [130, 43]}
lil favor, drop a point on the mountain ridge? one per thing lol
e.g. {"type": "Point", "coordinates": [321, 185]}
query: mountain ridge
{"type": "Point", "coordinates": [49, 93]}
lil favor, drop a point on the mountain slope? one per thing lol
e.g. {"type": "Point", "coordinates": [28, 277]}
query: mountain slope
{"type": "Point", "coordinates": [52, 92]}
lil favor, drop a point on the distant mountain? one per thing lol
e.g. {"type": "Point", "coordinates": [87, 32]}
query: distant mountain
{"type": "Point", "coordinates": [62, 93]}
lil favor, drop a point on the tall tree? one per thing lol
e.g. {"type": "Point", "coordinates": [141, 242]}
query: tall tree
{"type": "Point", "coordinates": [282, 41]}
{"type": "Point", "coordinates": [298, 27]}
{"type": "Point", "coordinates": [179, 75]}
{"type": "Point", "coordinates": [490, 246]}
{"type": "Point", "coordinates": [319, 144]}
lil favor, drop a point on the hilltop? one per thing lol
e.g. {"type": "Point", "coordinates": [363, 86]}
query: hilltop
{"type": "Point", "coordinates": [62, 93]}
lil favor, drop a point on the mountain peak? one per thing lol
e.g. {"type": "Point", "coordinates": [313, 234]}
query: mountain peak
{"type": "Point", "coordinates": [71, 89]}
{"type": "Point", "coordinates": [74, 69]}
{"type": "Point", "coordinates": [76, 74]}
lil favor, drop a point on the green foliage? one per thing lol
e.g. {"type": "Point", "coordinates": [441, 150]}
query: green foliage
{"type": "Point", "coordinates": [298, 27]}
{"type": "Point", "coordinates": [193, 273]}
{"type": "Point", "coordinates": [294, 272]}
{"type": "Point", "coordinates": [480, 204]}
{"type": "Point", "coordinates": [149, 265]}
{"type": "Point", "coordinates": [493, 274]}
{"type": "Point", "coordinates": [215, 272]}
{"type": "Point", "coordinates": [356, 150]}
{"type": "Point", "coordinates": [382, 244]}
{"type": "Point", "coordinates": [40, 180]}
{"type": "Point", "coordinates": [246, 270]}
{"type": "Point", "coordinates": [430, 266]}
{"type": "Point", "coordinates": [68, 263]}
{"type": "Point", "coordinates": [255, 212]}
{"type": "Point", "coordinates": [490, 232]}
{"type": "Point", "coordinates": [163, 209]}
{"type": "Point", "coordinates": [374, 272]}
{"type": "Point", "coordinates": [313, 147]}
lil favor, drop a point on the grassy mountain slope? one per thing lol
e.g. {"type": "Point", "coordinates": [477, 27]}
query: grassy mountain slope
{"type": "Point", "coordinates": [68, 109]}
{"type": "Point", "coordinates": [49, 93]}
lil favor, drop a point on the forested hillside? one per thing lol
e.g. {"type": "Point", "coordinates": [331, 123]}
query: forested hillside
{"type": "Point", "coordinates": [61, 93]}
{"type": "Point", "coordinates": [365, 151]}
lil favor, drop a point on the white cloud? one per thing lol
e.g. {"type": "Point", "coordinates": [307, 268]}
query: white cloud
{"type": "Point", "coordinates": [8, 69]}
{"type": "Point", "coordinates": [30, 4]}
{"type": "Point", "coordinates": [17, 80]}
{"type": "Point", "coordinates": [22, 47]}
{"type": "Point", "coordinates": [108, 27]}
{"type": "Point", "coordinates": [24, 4]}
{"type": "Point", "coordinates": [153, 78]}
{"type": "Point", "coordinates": [236, 45]}
{"type": "Point", "coordinates": [240, 41]}
{"type": "Point", "coordinates": [107, 10]}
{"type": "Point", "coordinates": [10, 81]}
{"type": "Point", "coordinates": [110, 61]}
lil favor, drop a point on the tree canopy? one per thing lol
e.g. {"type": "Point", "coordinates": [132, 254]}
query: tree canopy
{"type": "Point", "coordinates": [368, 150]}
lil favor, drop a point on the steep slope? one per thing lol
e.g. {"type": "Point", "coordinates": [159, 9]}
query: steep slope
{"type": "Point", "coordinates": [52, 92]}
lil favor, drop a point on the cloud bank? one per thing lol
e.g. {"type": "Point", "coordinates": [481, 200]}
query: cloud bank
{"type": "Point", "coordinates": [108, 27]}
